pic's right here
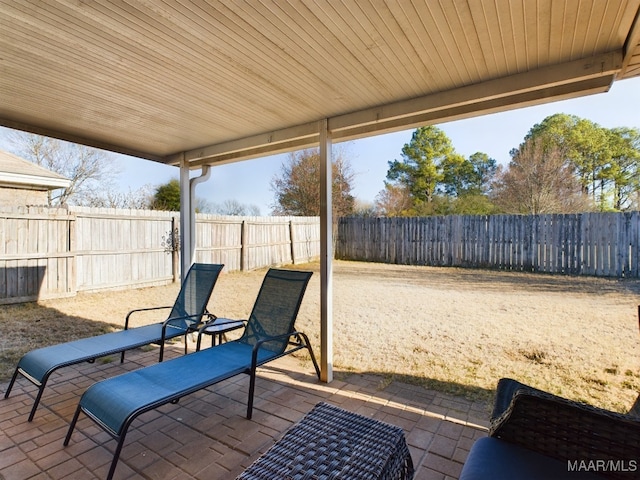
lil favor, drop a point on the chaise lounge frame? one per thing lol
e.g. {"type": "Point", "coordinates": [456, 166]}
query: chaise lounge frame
{"type": "Point", "coordinates": [185, 317]}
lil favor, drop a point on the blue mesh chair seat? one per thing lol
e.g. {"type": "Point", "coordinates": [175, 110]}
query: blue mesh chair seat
{"type": "Point", "coordinates": [115, 402]}
{"type": "Point", "coordinates": [118, 400]}
{"type": "Point", "coordinates": [186, 316]}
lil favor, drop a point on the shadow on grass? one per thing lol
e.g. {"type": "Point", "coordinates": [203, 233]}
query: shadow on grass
{"type": "Point", "coordinates": [385, 381]}
{"type": "Point", "coordinates": [27, 326]}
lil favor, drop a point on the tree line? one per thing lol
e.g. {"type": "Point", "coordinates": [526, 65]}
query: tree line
{"type": "Point", "coordinates": [565, 164]}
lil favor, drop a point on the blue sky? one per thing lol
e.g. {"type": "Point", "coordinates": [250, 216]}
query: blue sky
{"type": "Point", "coordinates": [249, 182]}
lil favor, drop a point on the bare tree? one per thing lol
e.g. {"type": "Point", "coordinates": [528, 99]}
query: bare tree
{"type": "Point", "coordinates": [140, 199]}
{"type": "Point", "coordinates": [364, 209]}
{"type": "Point", "coordinates": [394, 201]}
{"type": "Point", "coordinates": [90, 170]}
{"type": "Point", "coordinates": [297, 188]}
{"type": "Point", "coordinates": [538, 180]}
{"type": "Point", "coordinates": [234, 207]}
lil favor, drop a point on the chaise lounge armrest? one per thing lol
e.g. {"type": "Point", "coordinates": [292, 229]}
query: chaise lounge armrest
{"type": "Point", "coordinates": [138, 310]}
{"type": "Point", "coordinates": [174, 325]}
{"type": "Point", "coordinates": [190, 323]}
{"type": "Point", "coordinates": [566, 430]}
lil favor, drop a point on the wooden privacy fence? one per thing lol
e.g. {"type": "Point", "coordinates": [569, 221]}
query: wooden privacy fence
{"type": "Point", "coordinates": [597, 244]}
{"type": "Point", "coordinates": [48, 253]}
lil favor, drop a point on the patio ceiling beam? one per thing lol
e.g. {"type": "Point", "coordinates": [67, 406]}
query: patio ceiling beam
{"type": "Point", "coordinates": [561, 92]}
{"type": "Point", "coordinates": [556, 82]}
{"type": "Point", "coordinates": [553, 94]}
{"type": "Point", "coordinates": [250, 147]}
{"type": "Point", "coordinates": [258, 151]}
{"type": "Point", "coordinates": [498, 89]}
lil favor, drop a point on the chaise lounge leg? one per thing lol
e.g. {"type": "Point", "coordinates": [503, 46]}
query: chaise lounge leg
{"type": "Point", "coordinates": [116, 456]}
{"type": "Point", "coordinates": [72, 426]}
{"type": "Point", "coordinates": [252, 389]}
{"type": "Point", "coordinates": [13, 380]}
{"type": "Point", "coordinates": [37, 401]}
{"type": "Point", "coordinates": [313, 357]}
{"type": "Point", "coordinates": [38, 396]}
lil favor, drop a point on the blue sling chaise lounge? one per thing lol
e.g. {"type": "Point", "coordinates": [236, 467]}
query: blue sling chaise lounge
{"type": "Point", "coordinates": [185, 316]}
{"type": "Point", "coordinates": [269, 334]}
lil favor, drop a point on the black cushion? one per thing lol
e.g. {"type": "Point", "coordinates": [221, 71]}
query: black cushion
{"type": "Point", "coordinates": [494, 459]}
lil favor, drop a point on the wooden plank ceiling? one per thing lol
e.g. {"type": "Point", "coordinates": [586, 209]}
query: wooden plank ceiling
{"type": "Point", "coordinates": [220, 81]}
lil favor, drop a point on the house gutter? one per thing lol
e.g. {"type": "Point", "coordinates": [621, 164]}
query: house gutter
{"type": "Point", "coordinates": [188, 214]}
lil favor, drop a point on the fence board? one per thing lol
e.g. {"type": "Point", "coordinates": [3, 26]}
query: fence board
{"type": "Point", "coordinates": [634, 246]}
{"type": "Point", "coordinates": [55, 252]}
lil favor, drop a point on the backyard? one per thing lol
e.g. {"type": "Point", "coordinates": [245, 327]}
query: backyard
{"type": "Point", "coordinates": [450, 329]}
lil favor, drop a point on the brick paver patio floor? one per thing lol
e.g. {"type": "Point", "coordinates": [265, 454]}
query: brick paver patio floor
{"type": "Point", "coordinates": [206, 435]}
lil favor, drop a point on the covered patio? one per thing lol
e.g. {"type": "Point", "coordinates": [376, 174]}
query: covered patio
{"type": "Point", "coordinates": [206, 436]}
{"type": "Point", "coordinates": [198, 84]}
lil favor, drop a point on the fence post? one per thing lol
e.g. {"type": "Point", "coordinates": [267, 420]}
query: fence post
{"type": "Point", "coordinates": [243, 247]}
{"type": "Point", "coordinates": [292, 237]}
{"type": "Point", "coordinates": [72, 248]}
{"type": "Point", "coordinates": [175, 251]}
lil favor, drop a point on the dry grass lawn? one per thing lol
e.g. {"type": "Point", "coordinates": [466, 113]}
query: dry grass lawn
{"type": "Point", "coordinates": [456, 330]}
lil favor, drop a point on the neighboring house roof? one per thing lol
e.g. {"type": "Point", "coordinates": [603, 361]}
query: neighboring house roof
{"type": "Point", "coordinates": [16, 172]}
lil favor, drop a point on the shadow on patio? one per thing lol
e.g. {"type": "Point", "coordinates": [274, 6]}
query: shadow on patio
{"type": "Point", "coordinates": [206, 436]}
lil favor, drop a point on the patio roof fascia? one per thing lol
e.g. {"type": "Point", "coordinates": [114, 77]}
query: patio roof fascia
{"type": "Point", "coordinates": [89, 142]}
{"type": "Point", "coordinates": [631, 49]}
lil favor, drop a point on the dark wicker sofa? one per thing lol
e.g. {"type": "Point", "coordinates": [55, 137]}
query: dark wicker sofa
{"type": "Point", "coordinates": [537, 435]}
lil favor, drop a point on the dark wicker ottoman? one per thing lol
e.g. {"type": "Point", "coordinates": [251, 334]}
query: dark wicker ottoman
{"type": "Point", "coordinates": [332, 443]}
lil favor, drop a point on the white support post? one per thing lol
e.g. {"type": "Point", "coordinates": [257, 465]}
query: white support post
{"type": "Point", "coordinates": [186, 242]}
{"type": "Point", "coordinates": [326, 255]}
